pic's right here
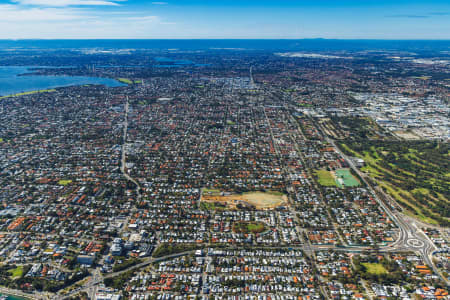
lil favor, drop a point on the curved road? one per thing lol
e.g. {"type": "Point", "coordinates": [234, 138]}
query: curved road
{"type": "Point", "coordinates": [410, 237]}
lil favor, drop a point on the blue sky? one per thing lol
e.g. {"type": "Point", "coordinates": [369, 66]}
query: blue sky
{"type": "Point", "coordinates": [343, 19]}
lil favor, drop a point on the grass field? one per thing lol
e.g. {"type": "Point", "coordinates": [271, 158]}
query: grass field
{"type": "Point", "coordinates": [260, 200]}
{"type": "Point", "coordinates": [325, 178]}
{"type": "Point", "coordinates": [212, 205]}
{"type": "Point", "coordinates": [125, 80]}
{"type": "Point", "coordinates": [345, 178]}
{"type": "Point", "coordinates": [64, 181]}
{"type": "Point", "coordinates": [340, 178]}
{"type": "Point", "coordinates": [375, 268]}
{"type": "Point", "coordinates": [128, 81]}
{"type": "Point", "coordinates": [414, 173]}
{"type": "Point", "coordinates": [17, 272]}
{"type": "Point", "coordinates": [29, 93]}
{"type": "Point", "coordinates": [248, 227]}
{"type": "Point", "coordinates": [211, 191]}
{"type": "Point", "coordinates": [405, 198]}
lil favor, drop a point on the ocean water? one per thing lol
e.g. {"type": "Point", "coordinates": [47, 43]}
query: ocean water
{"type": "Point", "coordinates": [220, 44]}
{"type": "Point", "coordinates": [11, 83]}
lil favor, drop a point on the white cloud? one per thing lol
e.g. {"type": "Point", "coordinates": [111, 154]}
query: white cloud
{"type": "Point", "coordinates": [55, 19]}
{"type": "Point", "coordinates": [12, 14]}
{"type": "Point", "coordinates": [64, 3]}
{"type": "Point", "coordinates": [141, 19]}
{"type": "Point", "coordinates": [159, 3]}
{"type": "Point", "coordinates": [23, 22]}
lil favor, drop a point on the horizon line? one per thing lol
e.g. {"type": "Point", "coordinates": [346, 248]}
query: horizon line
{"type": "Point", "coordinates": [231, 39]}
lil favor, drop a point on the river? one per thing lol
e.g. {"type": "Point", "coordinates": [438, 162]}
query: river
{"type": "Point", "coordinates": [11, 83]}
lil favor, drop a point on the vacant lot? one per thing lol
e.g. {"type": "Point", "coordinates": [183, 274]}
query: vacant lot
{"type": "Point", "coordinates": [259, 200]}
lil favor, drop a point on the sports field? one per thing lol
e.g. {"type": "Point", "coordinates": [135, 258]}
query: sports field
{"type": "Point", "coordinates": [325, 178]}
{"type": "Point", "coordinates": [345, 178]}
{"type": "Point", "coordinates": [341, 178]}
{"type": "Point", "coordinates": [64, 181]}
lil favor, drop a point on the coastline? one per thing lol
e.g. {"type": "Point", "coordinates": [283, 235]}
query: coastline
{"type": "Point", "coordinates": [28, 93]}
{"type": "Point", "coordinates": [13, 84]}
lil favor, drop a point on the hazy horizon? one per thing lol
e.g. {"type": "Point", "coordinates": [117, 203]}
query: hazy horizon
{"type": "Point", "coordinates": [247, 19]}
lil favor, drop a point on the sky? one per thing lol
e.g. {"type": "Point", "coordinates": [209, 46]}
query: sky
{"type": "Point", "coordinates": [241, 19]}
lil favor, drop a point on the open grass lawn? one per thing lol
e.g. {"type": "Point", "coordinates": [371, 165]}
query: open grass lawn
{"type": "Point", "coordinates": [125, 80]}
{"type": "Point", "coordinates": [255, 227]}
{"type": "Point", "coordinates": [375, 268]}
{"type": "Point", "coordinates": [64, 181]}
{"type": "Point", "coordinates": [17, 272]}
{"type": "Point", "coordinates": [128, 81]}
{"type": "Point", "coordinates": [402, 199]}
{"type": "Point", "coordinates": [349, 151]}
{"type": "Point", "coordinates": [249, 227]}
{"type": "Point", "coordinates": [414, 173]}
{"type": "Point", "coordinates": [325, 178]}
{"type": "Point", "coordinates": [212, 206]}
{"type": "Point", "coordinates": [371, 170]}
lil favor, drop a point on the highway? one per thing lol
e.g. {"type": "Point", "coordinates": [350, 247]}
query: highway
{"type": "Point", "coordinates": [21, 294]}
{"type": "Point", "coordinates": [91, 286]}
{"type": "Point", "coordinates": [410, 237]}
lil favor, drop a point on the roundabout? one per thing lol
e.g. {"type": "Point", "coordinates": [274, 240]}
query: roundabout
{"type": "Point", "coordinates": [415, 243]}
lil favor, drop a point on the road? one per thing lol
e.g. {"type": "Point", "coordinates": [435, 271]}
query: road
{"type": "Point", "coordinates": [252, 81]}
{"type": "Point", "coordinates": [21, 294]}
{"type": "Point", "coordinates": [98, 279]}
{"type": "Point", "coordinates": [410, 237]}
{"type": "Point", "coordinates": [124, 151]}
{"type": "Point", "coordinates": [91, 285]}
